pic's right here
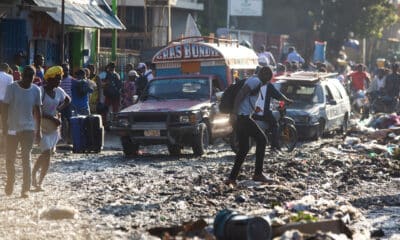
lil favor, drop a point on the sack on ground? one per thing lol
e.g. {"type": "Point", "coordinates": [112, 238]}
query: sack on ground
{"type": "Point", "coordinates": [229, 95]}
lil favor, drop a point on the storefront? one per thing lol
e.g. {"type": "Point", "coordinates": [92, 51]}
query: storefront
{"type": "Point", "coordinates": [39, 31]}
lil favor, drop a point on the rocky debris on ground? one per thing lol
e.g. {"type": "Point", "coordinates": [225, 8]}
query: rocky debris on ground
{"type": "Point", "coordinates": [119, 198]}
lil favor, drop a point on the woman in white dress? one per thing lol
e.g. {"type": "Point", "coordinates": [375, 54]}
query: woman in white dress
{"type": "Point", "coordinates": [54, 99]}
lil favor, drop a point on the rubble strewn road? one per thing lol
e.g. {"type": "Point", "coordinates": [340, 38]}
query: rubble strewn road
{"type": "Point", "coordinates": [112, 197]}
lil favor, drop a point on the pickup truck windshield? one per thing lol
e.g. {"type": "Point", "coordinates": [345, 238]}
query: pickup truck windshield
{"type": "Point", "coordinates": [180, 88]}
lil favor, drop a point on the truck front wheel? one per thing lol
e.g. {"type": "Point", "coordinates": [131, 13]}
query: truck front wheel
{"type": "Point", "coordinates": [128, 147]}
{"type": "Point", "coordinates": [201, 140]}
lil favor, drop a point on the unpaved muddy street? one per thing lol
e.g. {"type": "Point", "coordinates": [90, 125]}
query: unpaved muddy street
{"type": "Point", "coordinates": [118, 198]}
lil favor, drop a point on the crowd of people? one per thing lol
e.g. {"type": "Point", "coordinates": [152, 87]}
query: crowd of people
{"type": "Point", "coordinates": [37, 104]}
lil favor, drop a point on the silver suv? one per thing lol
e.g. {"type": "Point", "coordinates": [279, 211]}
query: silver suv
{"type": "Point", "coordinates": [321, 103]}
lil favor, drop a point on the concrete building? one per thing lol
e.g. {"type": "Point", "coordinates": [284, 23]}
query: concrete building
{"type": "Point", "coordinates": [151, 23]}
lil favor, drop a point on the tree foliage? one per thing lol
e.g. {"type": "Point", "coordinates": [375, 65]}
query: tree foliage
{"type": "Point", "coordinates": [333, 21]}
{"type": "Point", "coordinates": [342, 19]}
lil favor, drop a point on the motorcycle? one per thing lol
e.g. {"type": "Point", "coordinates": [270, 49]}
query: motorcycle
{"type": "Point", "coordinates": [286, 130]}
{"type": "Point", "coordinates": [360, 103]}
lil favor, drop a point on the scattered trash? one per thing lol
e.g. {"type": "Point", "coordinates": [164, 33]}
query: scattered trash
{"type": "Point", "coordinates": [58, 213]}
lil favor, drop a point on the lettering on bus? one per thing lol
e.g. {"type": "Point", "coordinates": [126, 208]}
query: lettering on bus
{"type": "Point", "coordinates": [188, 51]}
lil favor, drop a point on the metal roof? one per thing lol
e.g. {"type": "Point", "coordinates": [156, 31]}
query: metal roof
{"type": "Point", "coordinates": [80, 14]}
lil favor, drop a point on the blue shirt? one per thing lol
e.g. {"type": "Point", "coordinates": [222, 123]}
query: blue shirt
{"type": "Point", "coordinates": [80, 101]}
{"type": "Point", "coordinates": [295, 57]}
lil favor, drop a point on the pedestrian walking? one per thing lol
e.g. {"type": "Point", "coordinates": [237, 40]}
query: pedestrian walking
{"type": "Point", "coordinates": [5, 80]}
{"type": "Point", "coordinates": [66, 113]}
{"type": "Point", "coordinates": [245, 126]}
{"type": "Point", "coordinates": [54, 99]}
{"type": "Point", "coordinates": [21, 108]}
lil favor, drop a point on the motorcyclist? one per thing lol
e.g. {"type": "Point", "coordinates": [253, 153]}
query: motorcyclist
{"type": "Point", "coordinates": [377, 87]}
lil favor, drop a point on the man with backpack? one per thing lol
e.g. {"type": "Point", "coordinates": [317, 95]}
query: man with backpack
{"type": "Point", "coordinates": [245, 127]}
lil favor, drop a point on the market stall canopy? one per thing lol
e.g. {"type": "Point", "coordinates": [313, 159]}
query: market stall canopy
{"type": "Point", "coordinates": [83, 13]}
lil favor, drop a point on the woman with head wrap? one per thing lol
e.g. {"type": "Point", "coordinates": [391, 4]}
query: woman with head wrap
{"type": "Point", "coordinates": [54, 99]}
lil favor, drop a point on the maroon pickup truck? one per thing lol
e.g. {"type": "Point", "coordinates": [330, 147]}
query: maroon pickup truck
{"type": "Point", "coordinates": [177, 111]}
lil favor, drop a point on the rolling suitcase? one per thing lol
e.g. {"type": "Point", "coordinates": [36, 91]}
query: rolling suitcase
{"type": "Point", "coordinates": [94, 133]}
{"type": "Point", "coordinates": [78, 132]}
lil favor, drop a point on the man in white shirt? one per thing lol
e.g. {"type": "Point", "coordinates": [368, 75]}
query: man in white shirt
{"type": "Point", "coordinates": [21, 109]}
{"type": "Point", "coordinates": [266, 53]}
{"type": "Point", "coordinates": [5, 80]}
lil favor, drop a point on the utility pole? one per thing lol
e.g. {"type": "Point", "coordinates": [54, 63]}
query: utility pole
{"type": "Point", "coordinates": [228, 14]}
{"type": "Point", "coordinates": [114, 34]}
{"type": "Point", "coordinates": [62, 31]}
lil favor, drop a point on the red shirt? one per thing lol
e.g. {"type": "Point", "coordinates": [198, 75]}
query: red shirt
{"type": "Point", "coordinates": [357, 80]}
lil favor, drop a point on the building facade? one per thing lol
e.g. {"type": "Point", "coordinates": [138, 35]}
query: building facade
{"type": "Point", "coordinates": [151, 24]}
{"type": "Point", "coordinates": [34, 27]}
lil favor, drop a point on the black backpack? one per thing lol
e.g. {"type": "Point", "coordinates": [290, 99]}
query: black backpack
{"type": "Point", "coordinates": [229, 95]}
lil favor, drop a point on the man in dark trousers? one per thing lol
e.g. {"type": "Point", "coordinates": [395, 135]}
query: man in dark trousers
{"type": "Point", "coordinates": [21, 109]}
{"type": "Point", "coordinates": [246, 127]}
{"type": "Point", "coordinates": [392, 86]}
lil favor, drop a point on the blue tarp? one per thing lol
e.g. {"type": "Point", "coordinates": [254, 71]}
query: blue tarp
{"type": "Point", "coordinates": [89, 14]}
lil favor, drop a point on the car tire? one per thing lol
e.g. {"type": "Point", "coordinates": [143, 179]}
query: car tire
{"type": "Point", "coordinates": [320, 129]}
{"type": "Point", "coordinates": [174, 150]}
{"type": "Point", "coordinates": [201, 140]}
{"type": "Point", "coordinates": [128, 147]}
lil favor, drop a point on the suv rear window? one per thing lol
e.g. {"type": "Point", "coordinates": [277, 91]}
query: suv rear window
{"type": "Point", "coordinates": [306, 93]}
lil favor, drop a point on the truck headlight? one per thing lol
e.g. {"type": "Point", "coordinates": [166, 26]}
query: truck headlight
{"type": "Point", "coordinates": [184, 119]}
{"type": "Point", "coordinates": [123, 122]}
{"type": "Point", "coordinates": [190, 118]}
{"type": "Point", "coordinates": [314, 118]}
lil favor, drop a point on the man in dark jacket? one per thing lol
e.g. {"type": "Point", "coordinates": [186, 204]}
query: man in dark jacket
{"type": "Point", "coordinates": [264, 113]}
{"type": "Point", "coordinates": [392, 85]}
{"type": "Point", "coordinates": [243, 109]}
